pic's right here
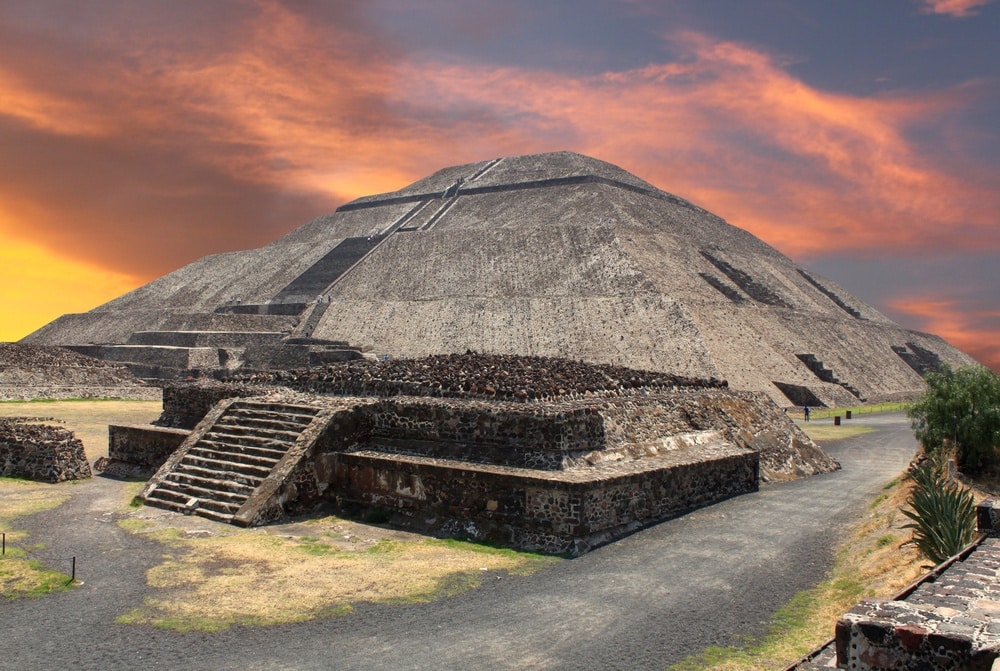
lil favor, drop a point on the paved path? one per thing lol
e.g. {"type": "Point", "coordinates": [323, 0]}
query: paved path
{"type": "Point", "coordinates": [708, 578]}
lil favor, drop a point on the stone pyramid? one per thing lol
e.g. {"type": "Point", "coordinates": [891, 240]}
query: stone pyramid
{"type": "Point", "coordinates": [552, 254]}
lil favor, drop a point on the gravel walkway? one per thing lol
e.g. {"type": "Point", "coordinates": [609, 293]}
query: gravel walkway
{"type": "Point", "coordinates": [709, 578]}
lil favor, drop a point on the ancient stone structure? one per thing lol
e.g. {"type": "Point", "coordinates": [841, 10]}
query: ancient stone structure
{"type": "Point", "coordinates": [457, 445]}
{"type": "Point", "coordinates": [32, 371]}
{"type": "Point", "coordinates": [554, 255]}
{"type": "Point", "coordinates": [38, 451]}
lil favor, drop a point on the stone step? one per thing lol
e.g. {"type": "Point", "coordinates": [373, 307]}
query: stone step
{"type": "Point", "coordinates": [264, 408]}
{"type": "Point", "coordinates": [187, 489]}
{"type": "Point", "coordinates": [228, 448]}
{"type": "Point", "coordinates": [159, 499]}
{"type": "Point", "coordinates": [181, 479]}
{"type": "Point", "coordinates": [207, 508]}
{"type": "Point", "coordinates": [170, 495]}
{"type": "Point", "coordinates": [245, 479]}
{"type": "Point", "coordinates": [220, 507]}
{"type": "Point", "coordinates": [236, 454]}
{"type": "Point", "coordinates": [224, 470]}
{"type": "Point", "coordinates": [233, 429]}
{"type": "Point", "coordinates": [249, 440]}
{"type": "Point", "coordinates": [257, 422]}
{"type": "Point", "coordinates": [213, 515]}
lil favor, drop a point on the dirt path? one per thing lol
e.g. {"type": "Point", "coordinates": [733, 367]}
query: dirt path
{"type": "Point", "coordinates": [708, 578]}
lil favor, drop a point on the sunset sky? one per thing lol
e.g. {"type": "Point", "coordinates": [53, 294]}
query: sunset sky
{"type": "Point", "coordinates": [861, 138]}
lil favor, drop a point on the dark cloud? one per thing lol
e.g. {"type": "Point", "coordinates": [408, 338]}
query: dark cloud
{"type": "Point", "coordinates": [140, 209]}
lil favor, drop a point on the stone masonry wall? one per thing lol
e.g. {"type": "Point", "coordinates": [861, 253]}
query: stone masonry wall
{"type": "Point", "coordinates": [186, 403]}
{"type": "Point", "coordinates": [137, 451]}
{"type": "Point", "coordinates": [509, 434]}
{"type": "Point", "coordinates": [512, 508]}
{"type": "Point", "coordinates": [40, 452]}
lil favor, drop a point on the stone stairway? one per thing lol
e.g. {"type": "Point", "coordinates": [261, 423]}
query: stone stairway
{"type": "Point", "coordinates": [820, 370]}
{"type": "Point", "coordinates": [217, 470]}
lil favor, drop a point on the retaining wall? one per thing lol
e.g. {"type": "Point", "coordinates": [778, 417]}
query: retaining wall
{"type": "Point", "coordinates": [564, 513]}
{"type": "Point", "coordinates": [137, 451]}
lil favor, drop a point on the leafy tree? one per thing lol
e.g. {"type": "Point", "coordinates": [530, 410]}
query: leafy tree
{"type": "Point", "coordinates": [943, 514]}
{"type": "Point", "coordinates": [961, 410]}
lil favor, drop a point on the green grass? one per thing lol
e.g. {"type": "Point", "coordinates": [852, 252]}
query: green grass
{"type": "Point", "coordinates": [24, 577]}
{"type": "Point", "coordinates": [874, 408]}
{"type": "Point", "coordinates": [828, 432]}
{"type": "Point", "coordinates": [785, 628]}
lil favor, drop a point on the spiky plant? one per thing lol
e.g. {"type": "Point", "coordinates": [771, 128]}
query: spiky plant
{"type": "Point", "coordinates": [943, 514]}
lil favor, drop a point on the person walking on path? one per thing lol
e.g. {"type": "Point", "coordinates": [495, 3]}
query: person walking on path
{"type": "Point", "coordinates": [805, 411]}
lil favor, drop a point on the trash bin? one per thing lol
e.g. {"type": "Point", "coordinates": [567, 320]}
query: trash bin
{"type": "Point", "coordinates": [836, 420]}
{"type": "Point", "coordinates": [847, 414]}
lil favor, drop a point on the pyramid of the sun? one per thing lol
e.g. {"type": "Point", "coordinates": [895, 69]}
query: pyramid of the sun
{"type": "Point", "coordinates": [552, 254]}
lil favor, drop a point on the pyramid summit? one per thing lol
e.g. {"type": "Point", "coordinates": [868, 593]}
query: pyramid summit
{"type": "Point", "coordinates": [556, 255]}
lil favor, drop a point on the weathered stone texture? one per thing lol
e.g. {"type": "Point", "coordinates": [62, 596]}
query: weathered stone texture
{"type": "Point", "coordinates": [40, 452]}
{"type": "Point", "coordinates": [947, 621]}
{"type": "Point", "coordinates": [555, 255]}
{"type": "Point", "coordinates": [136, 451]}
{"type": "Point", "coordinates": [31, 371]}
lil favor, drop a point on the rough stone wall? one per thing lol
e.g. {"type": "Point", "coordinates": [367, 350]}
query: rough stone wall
{"type": "Point", "coordinates": [40, 452]}
{"type": "Point", "coordinates": [479, 375]}
{"type": "Point", "coordinates": [590, 412]}
{"type": "Point", "coordinates": [513, 508]}
{"type": "Point", "coordinates": [949, 623]}
{"type": "Point", "coordinates": [510, 434]}
{"type": "Point", "coordinates": [30, 372]}
{"type": "Point", "coordinates": [186, 403]}
{"type": "Point", "coordinates": [137, 451]}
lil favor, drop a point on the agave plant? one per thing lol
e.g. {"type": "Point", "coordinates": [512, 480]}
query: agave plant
{"type": "Point", "coordinates": [943, 514]}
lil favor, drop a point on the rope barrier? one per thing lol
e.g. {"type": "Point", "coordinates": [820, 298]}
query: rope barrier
{"type": "Point", "coordinates": [47, 558]}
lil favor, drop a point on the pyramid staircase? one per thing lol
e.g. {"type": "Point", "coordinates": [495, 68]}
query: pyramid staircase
{"type": "Point", "coordinates": [219, 471]}
{"type": "Point", "coordinates": [820, 370]}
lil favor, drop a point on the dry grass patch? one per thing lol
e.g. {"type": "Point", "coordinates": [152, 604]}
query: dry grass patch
{"type": "Point", "coordinates": [87, 419]}
{"type": "Point", "coordinates": [827, 432]}
{"type": "Point", "coordinates": [20, 575]}
{"type": "Point", "coordinates": [210, 581]}
{"type": "Point", "coordinates": [873, 561]}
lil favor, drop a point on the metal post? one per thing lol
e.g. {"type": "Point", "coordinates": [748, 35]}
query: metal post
{"type": "Point", "coordinates": [72, 577]}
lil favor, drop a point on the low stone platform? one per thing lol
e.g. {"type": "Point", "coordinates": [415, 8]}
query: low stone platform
{"type": "Point", "coordinates": [553, 511]}
{"type": "Point", "coordinates": [463, 446]}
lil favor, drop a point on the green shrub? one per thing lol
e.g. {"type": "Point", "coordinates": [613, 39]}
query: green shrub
{"type": "Point", "coordinates": [961, 409]}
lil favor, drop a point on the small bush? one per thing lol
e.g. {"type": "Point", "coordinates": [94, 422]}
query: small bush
{"type": "Point", "coordinates": [943, 514]}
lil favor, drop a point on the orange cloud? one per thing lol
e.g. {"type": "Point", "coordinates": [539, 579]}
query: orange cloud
{"type": "Point", "coordinates": [959, 8]}
{"type": "Point", "coordinates": [972, 330]}
{"type": "Point", "coordinates": [733, 131]}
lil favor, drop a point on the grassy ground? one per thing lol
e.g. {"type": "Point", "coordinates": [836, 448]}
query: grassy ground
{"type": "Point", "coordinates": [23, 569]}
{"type": "Point", "coordinates": [826, 413]}
{"type": "Point", "coordinates": [21, 574]}
{"type": "Point", "coordinates": [289, 573]}
{"type": "Point", "coordinates": [827, 431]}
{"type": "Point", "coordinates": [215, 575]}
{"type": "Point", "coordinates": [872, 561]}
{"type": "Point", "coordinates": [88, 419]}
